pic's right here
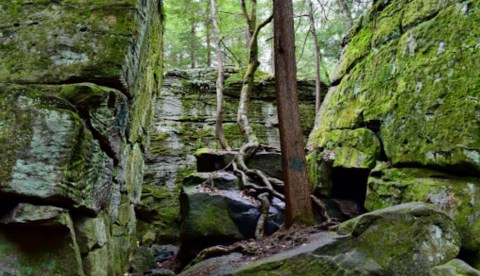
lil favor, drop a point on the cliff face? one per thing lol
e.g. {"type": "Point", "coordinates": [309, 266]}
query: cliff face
{"type": "Point", "coordinates": [78, 80]}
{"type": "Point", "coordinates": [185, 121]}
{"type": "Point", "coordinates": [405, 103]}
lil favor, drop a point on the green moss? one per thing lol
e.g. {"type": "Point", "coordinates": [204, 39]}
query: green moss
{"type": "Point", "coordinates": [201, 151]}
{"type": "Point", "coordinates": [186, 171]}
{"type": "Point", "coordinates": [106, 25]}
{"type": "Point", "coordinates": [414, 86]}
{"type": "Point", "coordinates": [358, 148]}
{"type": "Point", "coordinates": [206, 215]}
{"type": "Point", "coordinates": [238, 77]}
{"type": "Point", "coordinates": [358, 48]}
{"type": "Point", "coordinates": [319, 173]}
{"type": "Point", "coordinates": [158, 212]}
{"type": "Point", "coordinates": [417, 11]}
{"type": "Point", "coordinates": [457, 196]}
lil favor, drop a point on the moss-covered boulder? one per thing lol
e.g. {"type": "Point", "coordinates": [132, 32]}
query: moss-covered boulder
{"type": "Point", "coordinates": [405, 78]}
{"type": "Point", "coordinates": [405, 239]}
{"type": "Point", "coordinates": [48, 153]}
{"type": "Point", "coordinates": [455, 195]}
{"type": "Point", "coordinates": [211, 217]}
{"type": "Point", "coordinates": [408, 77]}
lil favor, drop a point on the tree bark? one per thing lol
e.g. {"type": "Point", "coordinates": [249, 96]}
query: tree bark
{"type": "Point", "coordinates": [313, 30]}
{"type": "Point", "coordinates": [297, 192]}
{"type": "Point", "coordinates": [249, 77]}
{"type": "Point", "coordinates": [219, 83]}
{"type": "Point", "coordinates": [347, 15]}
{"type": "Point", "coordinates": [192, 44]}
{"type": "Point", "coordinates": [209, 47]}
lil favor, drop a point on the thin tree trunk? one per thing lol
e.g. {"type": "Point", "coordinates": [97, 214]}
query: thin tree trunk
{"type": "Point", "coordinates": [192, 44]}
{"type": "Point", "coordinates": [297, 192]}
{"type": "Point", "coordinates": [219, 84]}
{"type": "Point", "coordinates": [313, 30]}
{"type": "Point", "coordinates": [249, 77]}
{"type": "Point", "coordinates": [209, 52]}
{"type": "Point", "coordinates": [347, 15]}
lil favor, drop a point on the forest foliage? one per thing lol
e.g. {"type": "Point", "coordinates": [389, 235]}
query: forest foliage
{"type": "Point", "coordinates": [189, 40]}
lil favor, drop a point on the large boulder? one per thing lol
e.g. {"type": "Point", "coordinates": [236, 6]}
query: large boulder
{"type": "Point", "coordinates": [406, 80]}
{"type": "Point", "coordinates": [52, 247]}
{"type": "Point", "coordinates": [405, 239]}
{"type": "Point", "coordinates": [404, 98]}
{"type": "Point", "coordinates": [78, 83]}
{"type": "Point", "coordinates": [48, 154]}
{"type": "Point", "coordinates": [408, 239]}
{"type": "Point", "coordinates": [210, 217]}
{"type": "Point", "coordinates": [457, 196]}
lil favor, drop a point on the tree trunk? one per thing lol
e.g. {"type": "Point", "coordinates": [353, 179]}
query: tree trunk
{"type": "Point", "coordinates": [313, 30]}
{"type": "Point", "coordinates": [219, 84]}
{"type": "Point", "coordinates": [192, 44]}
{"type": "Point", "coordinates": [209, 53]}
{"type": "Point", "coordinates": [249, 77]}
{"type": "Point", "coordinates": [297, 192]}
{"type": "Point", "coordinates": [347, 15]}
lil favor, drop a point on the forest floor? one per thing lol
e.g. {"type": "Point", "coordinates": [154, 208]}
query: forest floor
{"type": "Point", "coordinates": [253, 250]}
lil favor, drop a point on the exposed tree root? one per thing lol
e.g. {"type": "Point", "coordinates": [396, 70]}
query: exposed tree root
{"type": "Point", "coordinates": [239, 167]}
{"type": "Point", "coordinates": [220, 250]}
{"type": "Point", "coordinates": [260, 230]}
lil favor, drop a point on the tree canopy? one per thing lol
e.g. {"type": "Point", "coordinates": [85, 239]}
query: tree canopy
{"type": "Point", "coordinates": [189, 33]}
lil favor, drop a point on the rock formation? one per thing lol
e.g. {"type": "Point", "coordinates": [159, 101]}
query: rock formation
{"type": "Point", "coordinates": [402, 118]}
{"type": "Point", "coordinates": [78, 81]}
{"type": "Point", "coordinates": [371, 244]}
{"type": "Point", "coordinates": [184, 121]}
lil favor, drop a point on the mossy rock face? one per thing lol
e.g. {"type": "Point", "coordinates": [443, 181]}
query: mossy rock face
{"type": "Point", "coordinates": [158, 215]}
{"type": "Point", "coordinates": [51, 249]}
{"type": "Point", "coordinates": [457, 196]}
{"type": "Point", "coordinates": [80, 79]}
{"type": "Point", "coordinates": [358, 148]}
{"type": "Point", "coordinates": [51, 42]}
{"type": "Point", "coordinates": [48, 153]}
{"type": "Point", "coordinates": [142, 260]}
{"type": "Point", "coordinates": [319, 168]}
{"type": "Point", "coordinates": [408, 78]}
{"type": "Point", "coordinates": [104, 108]}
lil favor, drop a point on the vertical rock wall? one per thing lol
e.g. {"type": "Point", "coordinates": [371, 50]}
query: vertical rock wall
{"type": "Point", "coordinates": [406, 103]}
{"type": "Point", "coordinates": [185, 121]}
{"type": "Point", "coordinates": [78, 80]}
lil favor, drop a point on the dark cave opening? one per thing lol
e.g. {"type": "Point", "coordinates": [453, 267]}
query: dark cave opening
{"type": "Point", "coordinates": [350, 184]}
